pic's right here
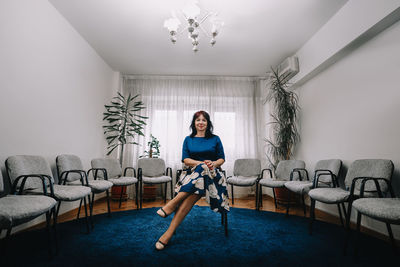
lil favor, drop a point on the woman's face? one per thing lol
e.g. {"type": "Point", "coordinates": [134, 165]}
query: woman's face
{"type": "Point", "coordinates": [200, 123]}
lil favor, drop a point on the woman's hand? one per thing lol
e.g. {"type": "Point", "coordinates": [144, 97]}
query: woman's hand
{"type": "Point", "coordinates": [210, 164]}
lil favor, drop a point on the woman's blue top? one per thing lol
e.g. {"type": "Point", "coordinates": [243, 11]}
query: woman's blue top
{"type": "Point", "coordinates": [201, 148]}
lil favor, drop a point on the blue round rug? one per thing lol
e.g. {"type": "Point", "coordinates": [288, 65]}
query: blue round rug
{"type": "Point", "coordinates": [255, 238]}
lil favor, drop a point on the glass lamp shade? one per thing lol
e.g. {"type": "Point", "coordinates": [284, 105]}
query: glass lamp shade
{"type": "Point", "coordinates": [191, 10]}
{"type": "Point", "coordinates": [172, 24]}
{"type": "Point", "coordinates": [217, 24]}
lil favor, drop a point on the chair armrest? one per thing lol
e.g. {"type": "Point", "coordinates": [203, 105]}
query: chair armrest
{"type": "Point", "coordinates": [170, 172]}
{"type": "Point", "coordinates": [130, 168]}
{"type": "Point", "coordinates": [140, 173]}
{"type": "Point", "coordinates": [321, 172]}
{"type": "Point", "coordinates": [353, 185]}
{"type": "Point", "coordinates": [82, 173]}
{"type": "Point", "coordinates": [298, 171]}
{"type": "Point", "coordinates": [95, 171]}
{"type": "Point", "coordinates": [262, 173]}
{"type": "Point", "coordinates": [24, 178]}
{"type": "Point", "coordinates": [378, 187]}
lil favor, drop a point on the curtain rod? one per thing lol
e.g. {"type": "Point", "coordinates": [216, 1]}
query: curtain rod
{"type": "Point", "coordinates": [193, 77]}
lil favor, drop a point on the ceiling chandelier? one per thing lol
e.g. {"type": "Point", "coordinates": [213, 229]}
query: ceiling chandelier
{"type": "Point", "coordinates": [191, 13]}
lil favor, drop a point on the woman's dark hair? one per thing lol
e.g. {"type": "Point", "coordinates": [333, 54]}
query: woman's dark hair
{"type": "Point", "coordinates": [209, 130]}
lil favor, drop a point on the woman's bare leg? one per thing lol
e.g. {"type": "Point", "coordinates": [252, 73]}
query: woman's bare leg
{"type": "Point", "coordinates": [180, 214]}
{"type": "Point", "coordinates": [173, 203]}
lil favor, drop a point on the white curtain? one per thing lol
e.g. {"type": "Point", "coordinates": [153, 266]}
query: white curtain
{"type": "Point", "coordinates": [232, 102]}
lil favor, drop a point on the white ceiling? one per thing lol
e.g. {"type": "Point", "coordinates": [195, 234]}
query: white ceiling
{"type": "Point", "coordinates": [129, 34]}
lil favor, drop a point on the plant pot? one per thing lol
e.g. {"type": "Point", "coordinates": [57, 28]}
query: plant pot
{"type": "Point", "coordinates": [116, 193]}
{"type": "Point", "coordinates": [149, 192]}
{"type": "Point", "coordinates": [283, 196]}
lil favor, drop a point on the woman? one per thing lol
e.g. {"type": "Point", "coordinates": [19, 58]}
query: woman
{"type": "Point", "coordinates": [203, 152]}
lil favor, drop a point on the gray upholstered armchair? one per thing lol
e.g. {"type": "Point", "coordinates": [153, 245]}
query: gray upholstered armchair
{"type": "Point", "coordinates": [70, 170]}
{"type": "Point", "coordinates": [359, 170]}
{"type": "Point", "coordinates": [17, 209]}
{"type": "Point", "coordinates": [19, 167]}
{"type": "Point", "coordinates": [383, 209]}
{"type": "Point", "coordinates": [246, 172]}
{"type": "Point", "coordinates": [286, 170]}
{"type": "Point", "coordinates": [325, 175]}
{"type": "Point", "coordinates": [153, 171]}
{"type": "Point", "coordinates": [110, 170]}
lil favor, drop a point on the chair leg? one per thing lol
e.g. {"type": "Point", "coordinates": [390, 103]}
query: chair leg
{"type": "Point", "coordinates": [91, 202]}
{"type": "Point", "coordinates": [58, 208]}
{"type": "Point", "coordinates": [344, 211]}
{"type": "Point", "coordinates": [347, 229]}
{"type": "Point", "coordinates": [260, 197]}
{"type": "Point", "coordinates": [108, 203]}
{"type": "Point", "coordinates": [48, 222]}
{"type": "Point", "coordinates": [312, 216]}
{"type": "Point", "coordinates": [273, 191]}
{"type": "Point", "coordinates": [358, 232]}
{"type": "Point", "coordinates": [137, 197]}
{"type": "Point", "coordinates": [288, 202]}
{"type": "Point", "coordinates": [79, 210]}
{"type": "Point", "coordinates": [172, 191]}
{"type": "Point", "coordinates": [256, 197]}
{"type": "Point", "coordinates": [141, 194]}
{"type": "Point", "coordinates": [86, 216]}
{"type": "Point", "coordinates": [233, 198]}
{"type": "Point", "coordinates": [55, 228]}
{"type": "Point", "coordinates": [304, 205]}
{"type": "Point", "coordinates": [392, 240]}
{"type": "Point", "coordinates": [222, 218]}
{"type": "Point", "coordinates": [165, 193]}
{"type": "Point", "coordinates": [120, 196]}
{"type": "Point", "coordinates": [226, 223]}
{"type": "Point", "coordinates": [340, 214]}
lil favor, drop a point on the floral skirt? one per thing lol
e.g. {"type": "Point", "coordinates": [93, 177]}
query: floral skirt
{"type": "Point", "coordinates": [203, 181]}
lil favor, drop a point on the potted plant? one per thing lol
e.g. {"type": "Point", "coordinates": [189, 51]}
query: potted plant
{"type": "Point", "coordinates": [284, 133]}
{"type": "Point", "coordinates": [122, 124]}
{"type": "Point", "coordinates": [149, 191]}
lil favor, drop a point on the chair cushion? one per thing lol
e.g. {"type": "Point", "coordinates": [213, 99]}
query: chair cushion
{"type": "Point", "coordinates": [97, 186]}
{"type": "Point", "coordinates": [123, 180]}
{"type": "Point", "coordinates": [377, 168]}
{"type": "Point", "coordinates": [285, 167]}
{"type": "Point", "coordinates": [25, 165]}
{"type": "Point", "coordinates": [242, 180]}
{"type": "Point", "coordinates": [329, 195]}
{"type": "Point", "coordinates": [112, 166]}
{"type": "Point", "coordinates": [272, 182]}
{"type": "Point", "coordinates": [299, 187]}
{"type": "Point", "coordinates": [151, 167]}
{"type": "Point", "coordinates": [68, 163]}
{"type": "Point", "coordinates": [17, 209]}
{"type": "Point", "coordinates": [156, 180]}
{"type": "Point", "coordinates": [247, 167]}
{"type": "Point", "coordinates": [66, 192]}
{"type": "Point", "coordinates": [383, 209]}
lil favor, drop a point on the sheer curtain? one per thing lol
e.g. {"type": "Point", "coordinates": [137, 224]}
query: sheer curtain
{"type": "Point", "coordinates": [171, 102]}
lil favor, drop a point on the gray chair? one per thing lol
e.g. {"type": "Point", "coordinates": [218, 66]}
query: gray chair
{"type": "Point", "coordinates": [20, 166]}
{"type": "Point", "coordinates": [326, 175]}
{"type": "Point", "coordinates": [110, 170]}
{"type": "Point", "coordinates": [153, 171]}
{"type": "Point", "coordinates": [386, 210]}
{"type": "Point", "coordinates": [246, 172]}
{"type": "Point", "coordinates": [16, 209]}
{"type": "Point", "coordinates": [70, 168]}
{"type": "Point", "coordinates": [358, 170]}
{"type": "Point", "coordinates": [286, 170]}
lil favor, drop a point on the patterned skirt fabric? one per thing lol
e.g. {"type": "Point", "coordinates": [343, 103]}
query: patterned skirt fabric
{"type": "Point", "coordinates": [203, 181]}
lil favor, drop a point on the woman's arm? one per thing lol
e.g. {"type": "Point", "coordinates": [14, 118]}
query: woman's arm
{"type": "Point", "coordinates": [191, 162]}
{"type": "Point", "coordinates": [218, 163]}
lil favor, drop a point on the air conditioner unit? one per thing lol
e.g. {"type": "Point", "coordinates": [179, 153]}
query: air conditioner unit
{"type": "Point", "coordinates": [289, 68]}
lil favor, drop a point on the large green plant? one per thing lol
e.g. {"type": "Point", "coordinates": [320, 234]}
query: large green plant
{"type": "Point", "coordinates": [283, 111]}
{"type": "Point", "coordinates": [154, 148]}
{"type": "Point", "coordinates": [123, 122]}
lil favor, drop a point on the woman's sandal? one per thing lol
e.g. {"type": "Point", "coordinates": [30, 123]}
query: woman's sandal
{"type": "Point", "coordinates": [161, 212]}
{"type": "Point", "coordinates": [160, 245]}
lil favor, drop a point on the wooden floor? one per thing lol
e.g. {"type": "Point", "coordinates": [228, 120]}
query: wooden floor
{"type": "Point", "coordinates": [100, 206]}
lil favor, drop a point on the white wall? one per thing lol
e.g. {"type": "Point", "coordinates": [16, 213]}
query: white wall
{"type": "Point", "coordinates": [351, 110]}
{"type": "Point", "coordinates": [53, 86]}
